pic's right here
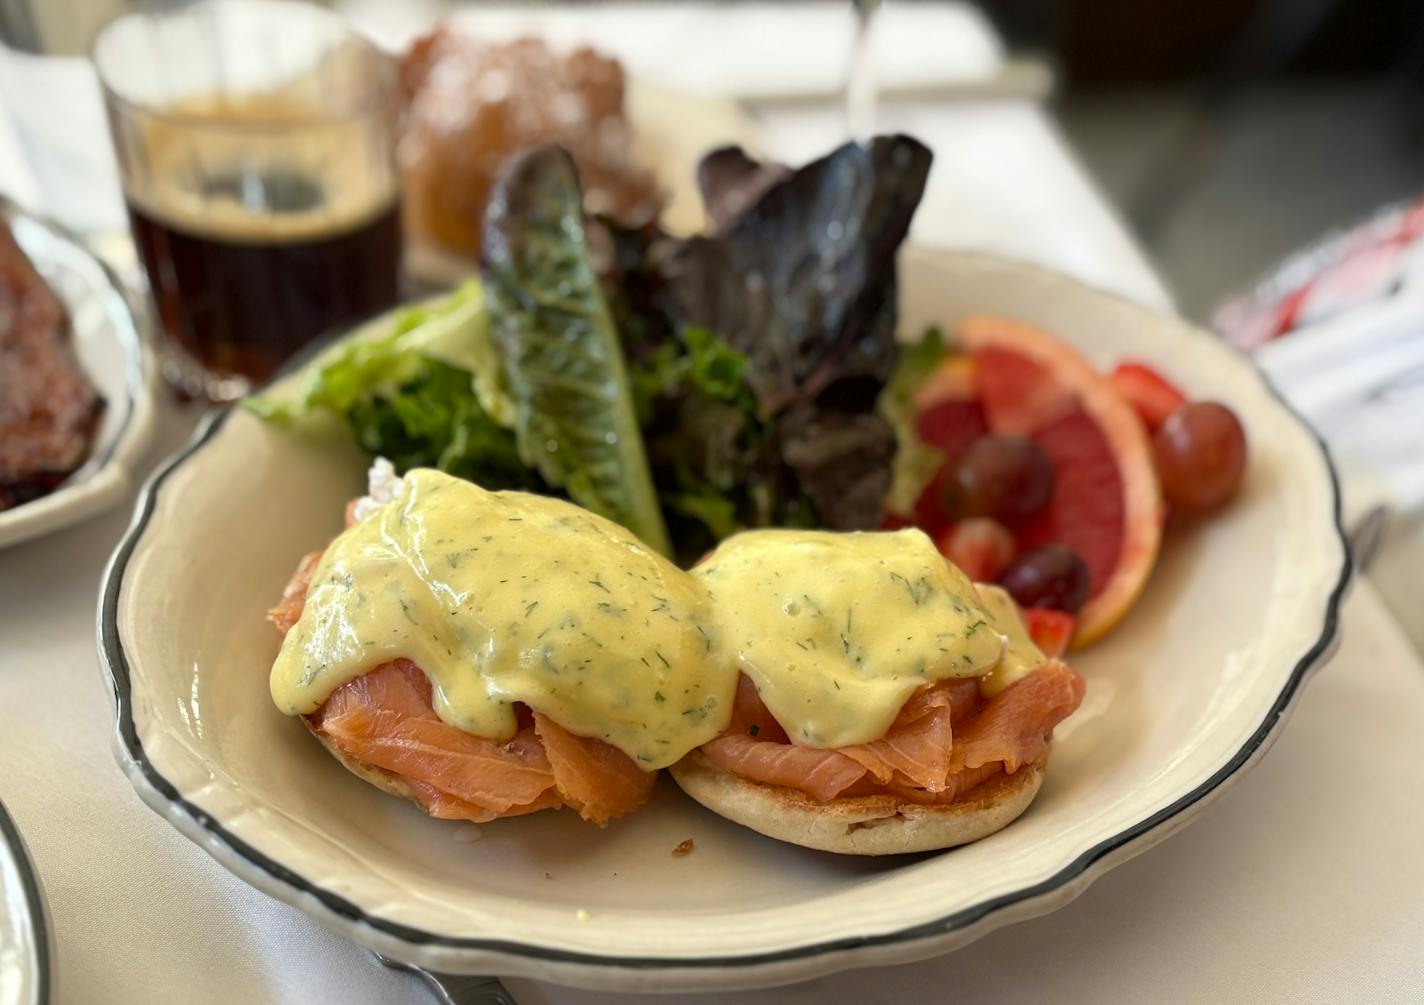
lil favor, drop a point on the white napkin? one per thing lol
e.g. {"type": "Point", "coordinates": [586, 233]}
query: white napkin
{"type": "Point", "coordinates": [55, 153]}
{"type": "Point", "coordinates": [1359, 379]}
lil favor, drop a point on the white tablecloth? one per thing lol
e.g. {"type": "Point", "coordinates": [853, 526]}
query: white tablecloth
{"type": "Point", "coordinates": [1305, 882]}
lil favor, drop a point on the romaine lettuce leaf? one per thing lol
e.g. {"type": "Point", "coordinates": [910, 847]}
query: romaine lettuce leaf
{"type": "Point", "coordinates": [574, 416]}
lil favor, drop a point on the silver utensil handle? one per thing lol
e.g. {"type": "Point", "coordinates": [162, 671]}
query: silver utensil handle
{"type": "Point", "coordinates": [456, 989]}
{"type": "Point", "coordinates": [1367, 536]}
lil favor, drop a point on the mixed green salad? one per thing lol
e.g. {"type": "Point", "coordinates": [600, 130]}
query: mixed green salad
{"type": "Point", "coordinates": [686, 388]}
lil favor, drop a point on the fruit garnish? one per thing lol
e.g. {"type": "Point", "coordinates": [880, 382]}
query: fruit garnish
{"type": "Point", "coordinates": [979, 546]}
{"type": "Point", "coordinates": [1070, 472]}
{"type": "Point", "coordinates": [949, 425]}
{"type": "Point", "coordinates": [1007, 478]}
{"type": "Point", "coordinates": [952, 425]}
{"type": "Point", "coordinates": [952, 380]}
{"type": "Point", "coordinates": [1150, 394]}
{"type": "Point", "coordinates": [1051, 575]}
{"type": "Point", "coordinates": [1106, 505]}
{"type": "Point", "coordinates": [1050, 630]}
{"type": "Point", "coordinates": [1201, 454]}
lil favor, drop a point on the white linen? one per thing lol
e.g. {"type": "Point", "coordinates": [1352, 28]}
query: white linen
{"type": "Point", "coordinates": [55, 119]}
{"type": "Point", "coordinates": [1303, 882]}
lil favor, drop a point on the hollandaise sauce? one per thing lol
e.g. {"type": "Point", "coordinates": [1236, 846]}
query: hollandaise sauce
{"type": "Point", "coordinates": [1021, 654]}
{"type": "Point", "coordinates": [837, 630]}
{"type": "Point", "coordinates": [505, 597]}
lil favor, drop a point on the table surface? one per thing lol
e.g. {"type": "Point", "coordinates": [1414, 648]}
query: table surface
{"type": "Point", "coordinates": [1304, 882]}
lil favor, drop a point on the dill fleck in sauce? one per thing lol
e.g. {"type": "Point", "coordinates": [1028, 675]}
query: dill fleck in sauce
{"type": "Point", "coordinates": [837, 630]}
{"type": "Point", "coordinates": [504, 597]}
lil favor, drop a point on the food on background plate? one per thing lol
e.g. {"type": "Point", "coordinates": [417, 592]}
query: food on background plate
{"type": "Point", "coordinates": [49, 409]}
{"type": "Point", "coordinates": [468, 106]}
{"type": "Point", "coordinates": [852, 692]}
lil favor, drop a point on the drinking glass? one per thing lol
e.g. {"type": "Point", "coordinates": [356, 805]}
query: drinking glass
{"type": "Point", "coordinates": [256, 148]}
{"type": "Point", "coordinates": [860, 74]}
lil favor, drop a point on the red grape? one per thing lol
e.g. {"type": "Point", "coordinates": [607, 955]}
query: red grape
{"type": "Point", "coordinates": [1050, 576]}
{"type": "Point", "coordinates": [1007, 478]}
{"type": "Point", "coordinates": [1201, 453]}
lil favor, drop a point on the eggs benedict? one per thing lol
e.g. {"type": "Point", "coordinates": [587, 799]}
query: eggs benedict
{"type": "Point", "coordinates": [490, 654]}
{"type": "Point", "coordinates": [885, 703]}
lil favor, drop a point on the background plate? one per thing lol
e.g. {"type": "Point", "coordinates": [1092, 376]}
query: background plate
{"type": "Point", "coordinates": [25, 972]}
{"type": "Point", "coordinates": [106, 340]}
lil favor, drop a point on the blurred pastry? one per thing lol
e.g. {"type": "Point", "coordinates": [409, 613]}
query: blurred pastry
{"type": "Point", "coordinates": [468, 105]}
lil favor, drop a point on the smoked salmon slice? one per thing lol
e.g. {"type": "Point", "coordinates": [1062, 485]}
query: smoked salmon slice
{"type": "Point", "coordinates": [945, 741]}
{"type": "Point", "coordinates": [595, 778]}
{"type": "Point", "coordinates": [386, 719]}
{"type": "Point", "coordinates": [821, 774]}
{"type": "Point", "coordinates": [1014, 727]}
{"type": "Point", "coordinates": [294, 595]}
{"type": "Point", "coordinates": [751, 717]}
{"type": "Point", "coordinates": [443, 806]}
{"type": "Point", "coordinates": [918, 743]}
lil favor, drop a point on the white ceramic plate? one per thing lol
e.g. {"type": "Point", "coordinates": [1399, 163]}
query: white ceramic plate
{"type": "Point", "coordinates": [1181, 701]}
{"type": "Point", "coordinates": [107, 343]}
{"type": "Point", "coordinates": [25, 977]}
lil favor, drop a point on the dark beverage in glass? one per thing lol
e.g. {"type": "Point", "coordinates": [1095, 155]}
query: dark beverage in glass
{"type": "Point", "coordinates": [256, 148]}
{"type": "Point", "coordinates": [241, 303]}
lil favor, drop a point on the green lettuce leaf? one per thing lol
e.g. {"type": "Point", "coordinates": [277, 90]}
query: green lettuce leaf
{"type": "Point", "coordinates": [714, 459]}
{"type": "Point", "coordinates": [428, 392]}
{"type": "Point", "coordinates": [697, 361]}
{"type": "Point", "coordinates": [435, 420]}
{"type": "Point", "coordinates": [452, 330]}
{"type": "Point", "coordinates": [800, 276]}
{"type": "Point", "coordinates": [915, 460]}
{"type": "Point", "coordinates": [574, 415]}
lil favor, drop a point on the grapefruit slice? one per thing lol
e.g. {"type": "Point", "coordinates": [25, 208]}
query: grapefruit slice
{"type": "Point", "coordinates": [951, 425]}
{"type": "Point", "coordinates": [1106, 503]}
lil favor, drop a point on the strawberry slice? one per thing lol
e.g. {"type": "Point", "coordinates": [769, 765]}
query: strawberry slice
{"type": "Point", "coordinates": [1050, 630]}
{"type": "Point", "coordinates": [1150, 394]}
{"type": "Point", "coordinates": [979, 546]}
